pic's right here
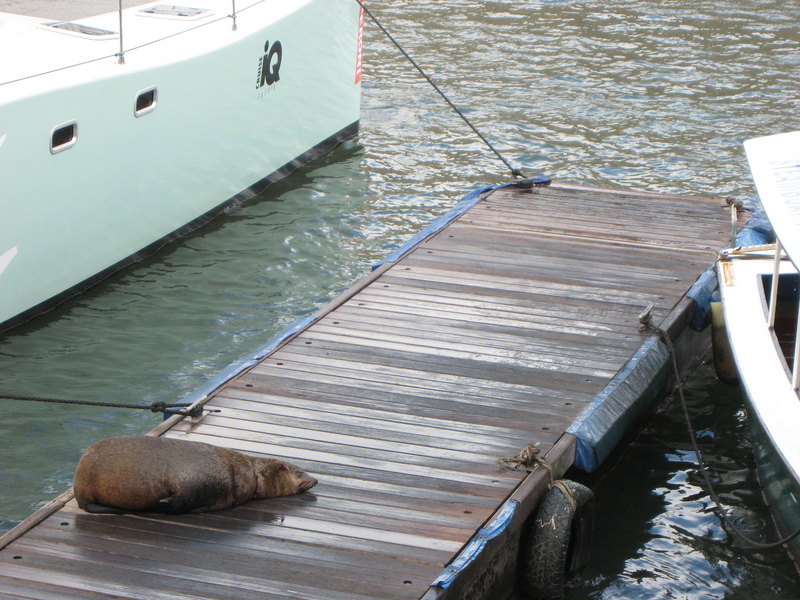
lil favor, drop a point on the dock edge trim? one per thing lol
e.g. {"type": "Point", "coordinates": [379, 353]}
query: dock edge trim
{"type": "Point", "coordinates": [475, 546]}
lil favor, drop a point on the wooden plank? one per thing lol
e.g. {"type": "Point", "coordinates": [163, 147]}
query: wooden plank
{"type": "Point", "coordinates": [501, 285]}
{"type": "Point", "coordinates": [481, 412]}
{"type": "Point", "coordinates": [384, 420]}
{"type": "Point", "coordinates": [207, 565]}
{"type": "Point", "coordinates": [165, 534]}
{"type": "Point", "coordinates": [362, 447]}
{"type": "Point", "coordinates": [519, 262]}
{"type": "Point", "coordinates": [548, 333]}
{"type": "Point", "coordinates": [556, 247]}
{"type": "Point", "coordinates": [472, 392]}
{"type": "Point", "coordinates": [552, 356]}
{"type": "Point", "coordinates": [473, 408]}
{"type": "Point", "coordinates": [537, 296]}
{"type": "Point", "coordinates": [156, 580]}
{"type": "Point", "coordinates": [669, 226]}
{"type": "Point", "coordinates": [497, 356]}
{"type": "Point", "coordinates": [335, 423]}
{"type": "Point", "coordinates": [398, 467]}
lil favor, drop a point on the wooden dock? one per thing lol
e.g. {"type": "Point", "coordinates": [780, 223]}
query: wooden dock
{"type": "Point", "coordinates": [493, 333]}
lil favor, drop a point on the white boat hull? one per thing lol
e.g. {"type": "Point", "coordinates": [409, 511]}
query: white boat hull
{"type": "Point", "coordinates": [218, 128]}
{"type": "Point", "coordinates": [773, 407]}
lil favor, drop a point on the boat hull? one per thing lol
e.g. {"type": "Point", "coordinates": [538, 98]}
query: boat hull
{"type": "Point", "coordinates": [779, 483]}
{"type": "Point", "coordinates": [773, 407]}
{"type": "Point", "coordinates": [235, 110]}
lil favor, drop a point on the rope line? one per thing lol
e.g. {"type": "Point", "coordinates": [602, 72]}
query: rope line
{"type": "Point", "coordinates": [154, 407]}
{"type": "Point", "coordinates": [514, 171]}
{"type": "Point", "coordinates": [701, 461]}
{"type": "Point", "coordinates": [526, 460]}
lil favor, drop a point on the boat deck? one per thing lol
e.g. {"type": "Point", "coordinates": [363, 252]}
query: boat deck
{"type": "Point", "coordinates": [64, 11]}
{"type": "Point", "coordinates": [490, 334]}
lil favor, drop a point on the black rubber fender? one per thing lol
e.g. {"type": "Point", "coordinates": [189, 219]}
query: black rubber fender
{"type": "Point", "coordinates": [557, 541]}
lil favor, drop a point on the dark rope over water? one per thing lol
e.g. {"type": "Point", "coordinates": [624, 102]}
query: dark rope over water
{"type": "Point", "coordinates": [700, 458]}
{"type": "Point", "coordinates": [517, 173]}
{"type": "Point", "coordinates": [161, 407]}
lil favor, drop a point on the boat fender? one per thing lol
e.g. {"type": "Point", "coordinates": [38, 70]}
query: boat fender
{"type": "Point", "coordinates": [724, 363]}
{"type": "Point", "coordinates": [557, 541]}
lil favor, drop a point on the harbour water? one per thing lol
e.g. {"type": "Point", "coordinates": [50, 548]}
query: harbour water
{"type": "Point", "coordinates": [644, 94]}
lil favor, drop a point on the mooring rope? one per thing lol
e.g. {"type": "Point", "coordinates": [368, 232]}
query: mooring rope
{"type": "Point", "coordinates": [154, 407]}
{"type": "Point", "coordinates": [526, 460]}
{"type": "Point", "coordinates": [514, 171]}
{"type": "Point", "coordinates": [721, 511]}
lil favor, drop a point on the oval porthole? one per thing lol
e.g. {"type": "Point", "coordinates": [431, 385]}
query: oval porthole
{"type": "Point", "coordinates": [63, 137]}
{"type": "Point", "coordinates": [146, 101]}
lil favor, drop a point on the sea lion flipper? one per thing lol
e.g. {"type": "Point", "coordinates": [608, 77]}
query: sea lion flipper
{"type": "Point", "coordinates": [173, 505]}
{"type": "Point", "coordinates": [102, 509]}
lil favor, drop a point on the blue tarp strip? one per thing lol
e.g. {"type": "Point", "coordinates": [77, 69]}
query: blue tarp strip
{"type": "Point", "coordinates": [476, 545]}
{"type": "Point", "coordinates": [245, 363]}
{"type": "Point", "coordinates": [757, 231]}
{"type": "Point", "coordinates": [459, 209]}
{"type": "Point", "coordinates": [603, 423]}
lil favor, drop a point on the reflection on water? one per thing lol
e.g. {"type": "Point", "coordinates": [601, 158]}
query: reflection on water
{"type": "Point", "coordinates": [657, 534]}
{"type": "Point", "coordinates": [631, 93]}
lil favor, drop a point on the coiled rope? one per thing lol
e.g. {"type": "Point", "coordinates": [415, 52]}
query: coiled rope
{"type": "Point", "coordinates": [721, 511]}
{"type": "Point", "coordinates": [161, 407]}
{"type": "Point", "coordinates": [517, 173]}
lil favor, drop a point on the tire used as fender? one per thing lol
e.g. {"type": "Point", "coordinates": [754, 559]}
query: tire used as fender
{"type": "Point", "coordinates": [557, 541]}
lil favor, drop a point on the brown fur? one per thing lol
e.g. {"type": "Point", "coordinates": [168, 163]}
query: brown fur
{"type": "Point", "coordinates": [156, 474]}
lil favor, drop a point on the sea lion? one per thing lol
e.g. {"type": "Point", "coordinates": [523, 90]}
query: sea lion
{"type": "Point", "coordinates": [156, 474]}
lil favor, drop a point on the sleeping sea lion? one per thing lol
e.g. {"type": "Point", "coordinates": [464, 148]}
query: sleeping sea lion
{"type": "Point", "coordinates": [156, 474]}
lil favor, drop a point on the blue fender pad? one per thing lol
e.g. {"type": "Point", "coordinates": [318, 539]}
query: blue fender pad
{"type": "Point", "coordinates": [476, 545]}
{"type": "Point", "coordinates": [627, 397]}
{"type": "Point", "coordinates": [757, 231]}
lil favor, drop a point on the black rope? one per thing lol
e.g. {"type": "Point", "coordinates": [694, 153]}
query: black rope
{"type": "Point", "coordinates": [514, 171]}
{"type": "Point", "coordinates": [154, 407]}
{"type": "Point", "coordinates": [701, 461]}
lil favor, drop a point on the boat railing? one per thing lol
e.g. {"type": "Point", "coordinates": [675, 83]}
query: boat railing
{"type": "Point", "coordinates": [773, 311]}
{"type": "Point", "coordinates": [70, 23]}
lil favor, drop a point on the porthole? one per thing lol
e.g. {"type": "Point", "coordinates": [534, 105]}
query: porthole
{"type": "Point", "coordinates": [63, 137]}
{"type": "Point", "coordinates": [167, 11]}
{"type": "Point", "coordinates": [146, 101]}
{"type": "Point", "coordinates": [78, 29]}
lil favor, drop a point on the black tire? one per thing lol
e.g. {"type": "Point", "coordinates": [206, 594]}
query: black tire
{"type": "Point", "coordinates": [557, 541]}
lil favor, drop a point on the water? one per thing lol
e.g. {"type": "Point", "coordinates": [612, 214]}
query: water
{"type": "Point", "coordinates": [657, 534]}
{"type": "Point", "coordinates": [632, 94]}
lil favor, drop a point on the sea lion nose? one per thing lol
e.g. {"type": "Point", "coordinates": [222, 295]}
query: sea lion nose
{"type": "Point", "coordinates": [307, 483]}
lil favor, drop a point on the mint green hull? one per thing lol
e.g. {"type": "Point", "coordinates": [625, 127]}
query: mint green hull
{"type": "Point", "coordinates": [219, 127]}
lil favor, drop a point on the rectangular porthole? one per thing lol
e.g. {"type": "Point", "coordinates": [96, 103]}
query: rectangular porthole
{"type": "Point", "coordinates": [146, 101]}
{"type": "Point", "coordinates": [171, 11]}
{"type": "Point", "coordinates": [80, 30]}
{"type": "Point", "coordinates": [63, 137]}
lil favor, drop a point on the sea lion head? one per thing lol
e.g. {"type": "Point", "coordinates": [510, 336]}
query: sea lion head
{"type": "Point", "coordinates": [279, 478]}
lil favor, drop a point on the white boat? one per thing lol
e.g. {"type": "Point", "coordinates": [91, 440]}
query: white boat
{"type": "Point", "coordinates": [129, 124]}
{"type": "Point", "coordinates": [760, 288]}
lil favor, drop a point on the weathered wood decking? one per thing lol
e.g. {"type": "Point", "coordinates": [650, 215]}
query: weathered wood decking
{"type": "Point", "coordinates": [494, 333]}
